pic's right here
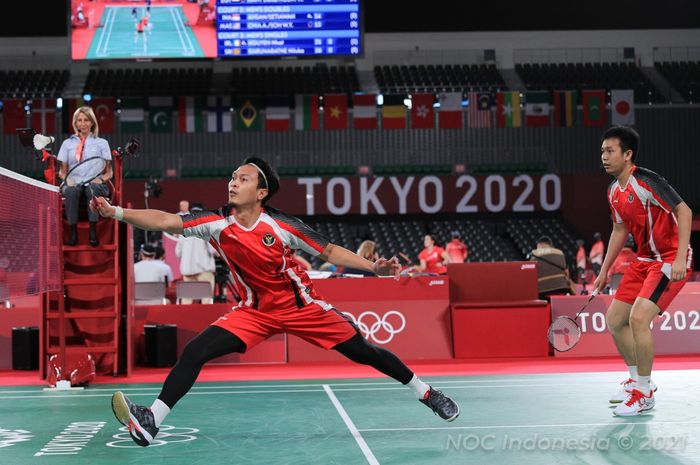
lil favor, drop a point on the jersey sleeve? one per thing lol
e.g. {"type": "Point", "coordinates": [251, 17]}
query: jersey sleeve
{"type": "Point", "coordinates": [615, 215]}
{"type": "Point", "coordinates": [660, 189]}
{"type": "Point", "coordinates": [301, 235]}
{"type": "Point", "coordinates": [104, 150]}
{"type": "Point", "coordinates": [202, 225]}
{"type": "Point", "coordinates": [63, 152]}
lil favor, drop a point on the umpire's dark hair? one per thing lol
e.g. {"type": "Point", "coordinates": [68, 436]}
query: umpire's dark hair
{"type": "Point", "coordinates": [544, 240]}
{"type": "Point", "coordinates": [271, 180]}
{"type": "Point", "coordinates": [628, 137]}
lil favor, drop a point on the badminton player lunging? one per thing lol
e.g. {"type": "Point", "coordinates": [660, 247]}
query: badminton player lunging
{"type": "Point", "coordinates": [645, 205]}
{"type": "Point", "coordinates": [258, 242]}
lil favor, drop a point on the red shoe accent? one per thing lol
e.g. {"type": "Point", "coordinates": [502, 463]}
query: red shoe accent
{"type": "Point", "coordinates": [426, 395]}
{"type": "Point", "coordinates": [636, 396]}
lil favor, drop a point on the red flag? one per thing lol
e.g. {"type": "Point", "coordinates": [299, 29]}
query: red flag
{"type": "Point", "coordinates": [450, 114]}
{"type": "Point", "coordinates": [593, 107]}
{"type": "Point", "coordinates": [364, 112]}
{"type": "Point", "coordinates": [422, 112]}
{"type": "Point", "coordinates": [44, 115]}
{"type": "Point", "coordinates": [13, 115]}
{"type": "Point", "coordinates": [335, 114]}
{"type": "Point", "coordinates": [104, 111]}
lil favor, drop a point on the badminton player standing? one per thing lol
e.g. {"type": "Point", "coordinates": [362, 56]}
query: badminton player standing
{"type": "Point", "coordinates": [645, 205]}
{"type": "Point", "coordinates": [257, 243]}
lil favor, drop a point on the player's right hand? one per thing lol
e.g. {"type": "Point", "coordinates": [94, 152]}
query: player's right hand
{"type": "Point", "coordinates": [600, 282]}
{"type": "Point", "coordinates": [102, 206]}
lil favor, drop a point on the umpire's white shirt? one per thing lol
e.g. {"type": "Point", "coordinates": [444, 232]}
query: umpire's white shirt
{"type": "Point", "coordinates": [148, 271]}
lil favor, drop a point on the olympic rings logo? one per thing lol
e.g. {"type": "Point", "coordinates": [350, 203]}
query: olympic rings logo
{"type": "Point", "coordinates": [372, 326]}
{"type": "Point", "coordinates": [166, 435]}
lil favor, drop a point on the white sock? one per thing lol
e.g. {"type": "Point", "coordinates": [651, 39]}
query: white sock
{"type": "Point", "coordinates": [643, 384]}
{"type": "Point", "coordinates": [160, 411]}
{"type": "Point", "coordinates": [418, 386]}
{"type": "Point", "coordinates": [633, 372]}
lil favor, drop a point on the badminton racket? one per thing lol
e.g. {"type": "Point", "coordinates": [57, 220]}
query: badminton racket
{"type": "Point", "coordinates": [564, 332]}
{"type": "Point", "coordinates": [84, 173]}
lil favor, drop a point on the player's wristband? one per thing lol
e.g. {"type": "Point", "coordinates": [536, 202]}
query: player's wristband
{"type": "Point", "coordinates": [119, 213]}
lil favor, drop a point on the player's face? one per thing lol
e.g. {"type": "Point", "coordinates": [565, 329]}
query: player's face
{"type": "Point", "coordinates": [613, 159]}
{"type": "Point", "coordinates": [83, 124]}
{"type": "Point", "coordinates": [243, 187]}
{"type": "Point", "coordinates": [427, 241]}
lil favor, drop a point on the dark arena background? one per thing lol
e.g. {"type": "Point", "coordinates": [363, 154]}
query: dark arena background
{"type": "Point", "coordinates": [417, 127]}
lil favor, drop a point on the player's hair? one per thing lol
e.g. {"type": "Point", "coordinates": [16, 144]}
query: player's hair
{"type": "Point", "coordinates": [433, 238]}
{"type": "Point", "coordinates": [89, 114]}
{"type": "Point", "coordinates": [270, 179]}
{"type": "Point", "coordinates": [628, 137]}
{"type": "Point", "coordinates": [544, 240]}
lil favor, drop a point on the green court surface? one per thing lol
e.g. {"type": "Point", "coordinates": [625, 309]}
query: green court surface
{"type": "Point", "coordinates": [167, 37]}
{"type": "Point", "coordinates": [515, 419]}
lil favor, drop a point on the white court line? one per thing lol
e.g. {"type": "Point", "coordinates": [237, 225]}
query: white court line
{"type": "Point", "coordinates": [101, 45]}
{"type": "Point", "coordinates": [180, 14]}
{"type": "Point", "coordinates": [567, 425]}
{"type": "Point", "coordinates": [177, 27]}
{"type": "Point", "coordinates": [371, 459]}
{"type": "Point", "coordinates": [109, 34]}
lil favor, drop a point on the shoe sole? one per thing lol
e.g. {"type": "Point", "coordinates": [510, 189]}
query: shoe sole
{"type": "Point", "coordinates": [641, 412]}
{"type": "Point", "coordinates": [453, 417]}
{"type": "Point", "coordinates": [124, 416]}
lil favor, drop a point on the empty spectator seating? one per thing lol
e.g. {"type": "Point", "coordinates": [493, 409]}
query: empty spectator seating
{"type": "Point", "coordinates": [525, 232]}
{"type": "Point", "coordinates": [148, 82]}
{"type": "Point", "coordinates": [579, 76]}
{"type": "Point", "coordinates": [684, 76]}
{"type": "Point", "coordinates": [438, 78]}
{"type": "Point", "coordinates": [33, 83]}
{"type": "Point", "coordinates": [318, 79]}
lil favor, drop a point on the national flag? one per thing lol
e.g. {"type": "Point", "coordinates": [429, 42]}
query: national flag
{"type": "Point", "coordinates": [564, 108]}
{"type": "Point", "coordinates": [335, 114]}
{"type": "Point", "coordinates": [394, 111]}
{"type": "Point", "coordinates": [422, 111]}
{"type": "Point", "coordinates": [219, 116]}
{"type": "Point", "coordinates": [479, 110]}
{"type": "Point", "coordinates": [14, 115]}
{"type": "Point", "coordinates": [306, 114]}
{"type": "Point", "coordinates": [131, 115]}
{"type": "Point", "coordinates": [69, 107]}
{"type": "Point", "coordinates": [508, 110]}
{"type": "Point", "coordinates": [450, 114]}
{"type": "Point", "coordinates": [160, 114]}
{"type": "Point", "coordinates": [622, 102]}
{"type": "Point", "coordinates": [247, 109]}
{"type": "Point", "coordinates": [364, 111]}
{"type": "Point", "coordinates": [44, 115]}
{"type": "Point", "coordinates": [593, 107]}
{"type": "Point", "coordinates": [277, 114]}
{"type": "Point", "coordinates": [104, 112]}
{"type": "Point", "coordinates": [189, 114]}
{"type": "Point", "coordinates": [537, 109]}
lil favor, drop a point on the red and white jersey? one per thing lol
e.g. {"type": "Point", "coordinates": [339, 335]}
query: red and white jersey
{"type": "Point", "coordinates": [260, 257]}
{"type": "Point", "coordinates": [645, 205]}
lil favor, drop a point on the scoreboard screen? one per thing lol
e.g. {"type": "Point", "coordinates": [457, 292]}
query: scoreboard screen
{"type": "Point", "coordinates": [288, 28]}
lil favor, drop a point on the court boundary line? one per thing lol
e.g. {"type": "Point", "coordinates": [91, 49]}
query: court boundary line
{"type": "Point", "coordinates": [567, 425]}
{"type": "Point", "coordinates": [371, 459]}
{"type": "Point", "coordinates": [182, 32]}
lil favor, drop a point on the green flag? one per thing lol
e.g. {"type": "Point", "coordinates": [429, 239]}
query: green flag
{"type": "Point", "coordinates": [248, 111]}
{"type": "Point", "coordinates": [160, 114]}
{"type": "Point", "coordinates": [131, 115]}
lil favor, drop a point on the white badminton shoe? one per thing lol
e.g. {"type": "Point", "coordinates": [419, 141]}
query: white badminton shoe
{"type": "Point", "coordinates": [637, 403]}
{"type": "Point", "coordinates": [626, 389]}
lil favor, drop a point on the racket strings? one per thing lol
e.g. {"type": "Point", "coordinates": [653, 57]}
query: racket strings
{"type": "Point", "coordinates": [564, 334]}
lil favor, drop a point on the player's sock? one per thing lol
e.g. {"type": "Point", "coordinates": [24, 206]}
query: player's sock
{"type": "Point", "coordinates": [418, 386]}
{"type": "Point", "coordinates": [643, 384]}
{"type": "Point", "coordinates": [160, 411]}
{"type": "Point", "coordinates": [633, 371]}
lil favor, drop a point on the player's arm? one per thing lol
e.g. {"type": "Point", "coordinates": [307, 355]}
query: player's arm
{"type": "Point", "coordinates": [341, 256]}
{"type": "Point", "coordinates": [151, 220]}
{"type": "Point", "coordinates": [684, 215]}
{"type": "Point", "coordinates": [615, 244]}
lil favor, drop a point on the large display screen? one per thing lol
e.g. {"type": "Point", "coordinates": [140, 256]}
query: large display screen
{"type": "Point", "coordinates": [177, 29]}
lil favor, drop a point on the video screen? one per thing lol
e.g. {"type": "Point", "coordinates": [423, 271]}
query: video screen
{"type": "Point", "coordinates": [179, 29]}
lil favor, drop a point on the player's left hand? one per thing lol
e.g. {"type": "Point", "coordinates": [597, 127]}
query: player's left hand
{"type": "Point", "coordinates": [678, 270]}
{"type": "Point", "coordinates": [384, 267]}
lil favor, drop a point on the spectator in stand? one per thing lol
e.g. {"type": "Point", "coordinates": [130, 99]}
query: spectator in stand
{"type": "Point", "coordinates": [149, 269]}
{"type": "Point", "coordinates": [432, 257]}
{"type": "Point", "coordinates": [196, 259]}
{"type": "Point", "coordinates": [184, 208]}
{"type": "Point", "coordinates": [552, 274]}
{"type": "Point", "coordinates": [456, 249]}
{"type": "Point", "coordinates": [625, 259]}
{"type": "Point", "coordinates": [597, 253]}
{"type": "Point", "coordinates": [368, 250]}
{"type": "Point", "coordinates": [580, 261]}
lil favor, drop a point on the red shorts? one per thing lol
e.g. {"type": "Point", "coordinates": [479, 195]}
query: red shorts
{"type": "Point", "coordinates": [647, 280]}
{"type": "Point", "coordinates": [324, 328]}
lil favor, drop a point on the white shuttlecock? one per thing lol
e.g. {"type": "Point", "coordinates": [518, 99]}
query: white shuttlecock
{"type": "Point", "coordinates": [41, 141]}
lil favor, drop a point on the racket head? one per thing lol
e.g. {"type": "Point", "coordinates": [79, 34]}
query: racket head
{"type": "Point", "coordinates": [564, 333]}
{"type": "Point", "coordinates": [85, 171]}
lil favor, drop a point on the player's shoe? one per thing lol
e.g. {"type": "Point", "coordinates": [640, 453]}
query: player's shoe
{"type": "Point", "coordinates": [138, 420]}
{"type": "Point", "coordinates": [624, 392]}
{"type": "Point", "coordinates": [637, 402]}
{"type": "Point", "coordinates": [441, 405]}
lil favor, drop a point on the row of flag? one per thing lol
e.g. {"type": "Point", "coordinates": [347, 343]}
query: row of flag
{"type": "Point", "coordinates": [311, 112]}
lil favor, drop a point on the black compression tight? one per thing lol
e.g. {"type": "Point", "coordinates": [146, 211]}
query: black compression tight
{"type": "Point", "coordinates": [211, 343]}
{"type": "Point", "coordinates": [359, 350]}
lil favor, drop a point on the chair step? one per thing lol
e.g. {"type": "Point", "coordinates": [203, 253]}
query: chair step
{"type": "Point", "coordinates": [89, 281]}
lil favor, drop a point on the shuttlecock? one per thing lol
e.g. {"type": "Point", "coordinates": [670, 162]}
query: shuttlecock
{"type": "Point", "coordinates": [41, 141]}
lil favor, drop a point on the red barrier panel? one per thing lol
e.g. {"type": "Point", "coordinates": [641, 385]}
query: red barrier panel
{"type": "Point", "coordinates": [677, 331]}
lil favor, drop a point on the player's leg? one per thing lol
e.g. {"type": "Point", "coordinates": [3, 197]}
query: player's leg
{"type": "Point", "coordinates": [71, 205]}
{"type": "Point", "coordinates": [95, 190]}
